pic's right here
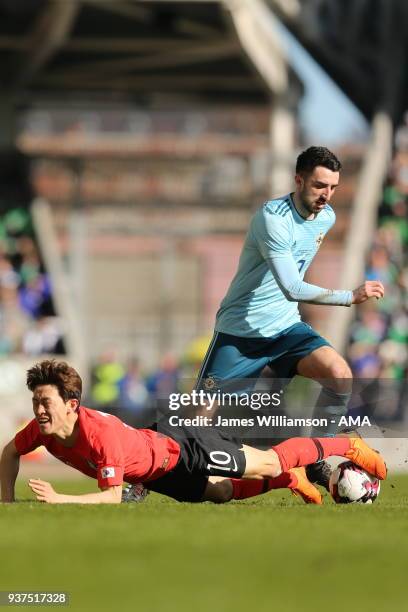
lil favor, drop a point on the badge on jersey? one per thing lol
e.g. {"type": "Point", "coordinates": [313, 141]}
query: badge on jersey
{"type": "Point", "coordinates": [108, 472]}
{"type": "Point", "coordinates": [210, 383]}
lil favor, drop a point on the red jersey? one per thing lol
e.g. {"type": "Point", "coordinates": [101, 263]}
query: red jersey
{"type": "Point", "coordinates": [107, 449]}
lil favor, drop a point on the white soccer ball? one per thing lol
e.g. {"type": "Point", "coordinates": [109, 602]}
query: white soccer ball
{"type": "Point", "coordinates": [350, 484]}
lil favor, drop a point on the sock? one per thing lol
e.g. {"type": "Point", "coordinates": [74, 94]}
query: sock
{"type": "Point", "coordinates": [242, 488]}
{"type": "Point", "coordinates": [297, 452]}
{"type": "Point", "coordinates": [330, 406]}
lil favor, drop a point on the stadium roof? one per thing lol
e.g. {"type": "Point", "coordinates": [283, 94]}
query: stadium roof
{"type": "Point", "coordinates": [362, 44]}
{"type": "Point", "coordinates": [151, 52]}
{"type": "Point", "coordinates": [159, 52]}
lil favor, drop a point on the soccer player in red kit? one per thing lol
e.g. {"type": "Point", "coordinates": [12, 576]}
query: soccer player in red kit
{"type": "Point", "coordinates": [187, 468]}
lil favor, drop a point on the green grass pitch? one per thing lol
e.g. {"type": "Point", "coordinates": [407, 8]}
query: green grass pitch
{"type": "Point", "coordinates": [267, 554]}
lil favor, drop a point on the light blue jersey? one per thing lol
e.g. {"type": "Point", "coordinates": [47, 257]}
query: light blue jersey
{"type": "Point", "coordinates": [263, 297]}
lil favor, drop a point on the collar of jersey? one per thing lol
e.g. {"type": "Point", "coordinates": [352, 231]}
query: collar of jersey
{"type": "Point", "coordinates": [298, 213]}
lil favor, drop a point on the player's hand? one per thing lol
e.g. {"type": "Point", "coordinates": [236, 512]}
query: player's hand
{"type": "Point", "coordinates": [368, 290]}
{"type": "Point", "coordinates": [44, 491]}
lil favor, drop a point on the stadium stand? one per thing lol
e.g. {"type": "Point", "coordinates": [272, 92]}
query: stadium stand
{"type": "Point", "coordinates": [379, 334]}
{"type": "Point", "coordinates": [28, 322]}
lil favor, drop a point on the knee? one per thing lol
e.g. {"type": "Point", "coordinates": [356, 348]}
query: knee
{"type": "Point", "coordinates": [340, 369]}
{"type": "Point", "coordinates": [219, 492]}
{"type": "Point", "coordinates": [224, 491]}
{"type": "Point", "coordinates": [341, 376]}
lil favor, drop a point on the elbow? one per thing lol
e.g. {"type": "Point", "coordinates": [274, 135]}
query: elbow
{"type": "Point", "coordinates": [291, 294]}
{"type": "Point", "coordinates": [295, 292]}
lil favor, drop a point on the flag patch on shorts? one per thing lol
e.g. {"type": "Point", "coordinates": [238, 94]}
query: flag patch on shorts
{"type": "Point", "coordinates": [108, 472]}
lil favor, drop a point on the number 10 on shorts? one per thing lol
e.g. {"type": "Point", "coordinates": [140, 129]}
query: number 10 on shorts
{"type": "Point", "coordinates": [221, 460]}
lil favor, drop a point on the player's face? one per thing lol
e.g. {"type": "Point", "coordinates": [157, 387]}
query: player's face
{"type": "Point", "coordinates": [50, 410]}
{"type": "Point", "coordinates": [317, 188]}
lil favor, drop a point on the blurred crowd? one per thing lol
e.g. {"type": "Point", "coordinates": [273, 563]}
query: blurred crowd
{"type": "Point", "coordinates": [28, 323]}
{"type": "Point", "coordinates": [128, 391]}
{"type": "Point", "coordinates": [378, 347]}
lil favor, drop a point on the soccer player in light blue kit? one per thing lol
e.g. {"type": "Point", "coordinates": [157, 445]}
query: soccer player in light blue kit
{"type": "Point", "coordinates": [258, 323]}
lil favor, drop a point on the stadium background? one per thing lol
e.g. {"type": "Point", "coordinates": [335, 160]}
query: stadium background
{"type": "Point", "coordinates": [137, 138]}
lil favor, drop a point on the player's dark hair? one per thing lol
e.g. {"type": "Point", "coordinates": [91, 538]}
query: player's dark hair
{"type": "Point", "coordinates": [57, 373]}
{"type": "Point", "coordinates": [316, 156]}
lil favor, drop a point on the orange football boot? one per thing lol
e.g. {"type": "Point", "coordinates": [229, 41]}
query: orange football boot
{"type": "Point", "coordinates": [367, 458]}
{"type": "Point", "coordinates": [304, 488]}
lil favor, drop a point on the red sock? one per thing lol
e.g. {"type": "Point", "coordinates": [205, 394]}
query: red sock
{"type": "Point", "coordinates": [298, 452]}
{"type": "Point", "coordinates": [242, 488]}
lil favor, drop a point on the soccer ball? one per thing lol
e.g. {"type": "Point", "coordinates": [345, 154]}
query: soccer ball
{"type": "Point", "coordinates": [351, 484]}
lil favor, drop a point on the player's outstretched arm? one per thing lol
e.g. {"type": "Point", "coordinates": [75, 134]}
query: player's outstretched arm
{"type": "Point", "coordinates": [368, 290]}
{"type": "Point", "coordinates": [286, 273]}
{"type": "Point", "coordinates": [274, 236]}
{"type": "Point", "coordinates": [9, 467]}
{"type": "Point", "coordinates": [45, 493]}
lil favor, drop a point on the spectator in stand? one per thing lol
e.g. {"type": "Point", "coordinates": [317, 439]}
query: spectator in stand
{"type": "Point", "coordinates": [106, 377]}
{"type": "Point", "coordinates": [44, 337]}
{"type": "Point", "coordinates": [165, 379]}
{"type": "Point", "coordinates": [133, 395]}
{"type": "Point", "coordinates": [27, 317]}
{"type": "Point", "coordinates": [13, 321]}
{"type": "Point", "coordinates": [35, 294]}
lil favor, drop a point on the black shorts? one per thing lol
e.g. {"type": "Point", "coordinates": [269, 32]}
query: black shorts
{"type": "Point", "coordinates": [205, 451]}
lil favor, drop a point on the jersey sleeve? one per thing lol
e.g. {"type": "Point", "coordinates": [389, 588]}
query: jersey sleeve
{"type": "Point", "coordinates": [273, 236]}
{"type": "Point", "coordinates": [28, 439]}
{"type": "Point", "coordinates": [295, 289]}
{"type": "Point", "coordinates": [108, 457]}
